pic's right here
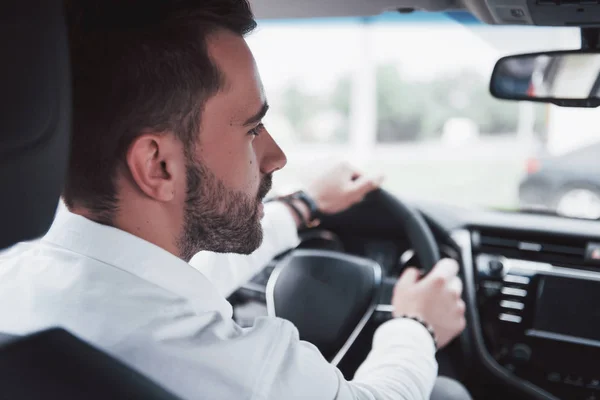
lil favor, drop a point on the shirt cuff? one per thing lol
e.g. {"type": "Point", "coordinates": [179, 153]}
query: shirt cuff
{"type": "Point", "coordinates": [411, 332]}
{"type": "Point", "coordinates": [401, 363]}
{"type": "Point", "coordinates": [279, 217]}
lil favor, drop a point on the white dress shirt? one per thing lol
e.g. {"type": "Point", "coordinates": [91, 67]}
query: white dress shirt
{"type": "Point", "coordinates": [161, 316]}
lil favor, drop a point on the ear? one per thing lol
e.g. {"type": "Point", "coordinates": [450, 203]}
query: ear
{"type": "Point", "coordinates": [156, 163]}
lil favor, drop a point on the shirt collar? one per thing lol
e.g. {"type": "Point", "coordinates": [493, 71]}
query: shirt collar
{"type": "Point", "coordinates": [136, 256]}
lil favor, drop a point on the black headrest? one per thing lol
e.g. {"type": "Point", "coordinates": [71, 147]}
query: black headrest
{"type": "Point", "coordinates": [34, 116]}
{"type": "Point", "coordinates": [55, 365]}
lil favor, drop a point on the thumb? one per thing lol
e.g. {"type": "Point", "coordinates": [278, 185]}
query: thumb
{"type": "Point", "coordinates": [409, 277]}
{"type": "Point", "coordinates": [446, 268]}
{"type": "Point", "coordinates": [365, 184]}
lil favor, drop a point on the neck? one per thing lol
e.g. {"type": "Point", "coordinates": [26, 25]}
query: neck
{"type": "Point", "coordinates": [149, 222]}
{"type": "Point", "coordinates": [146, 221]}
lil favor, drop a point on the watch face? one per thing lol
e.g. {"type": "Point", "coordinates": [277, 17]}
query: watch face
{"type": "Point", "coordinates": [308, 201]}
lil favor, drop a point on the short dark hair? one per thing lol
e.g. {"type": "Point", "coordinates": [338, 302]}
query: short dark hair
{"type": "Point", "coordinates": [137, 65]}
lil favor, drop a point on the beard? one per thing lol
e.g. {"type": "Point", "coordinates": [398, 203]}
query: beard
{"type": "Point", "coordinates": [219, 219]}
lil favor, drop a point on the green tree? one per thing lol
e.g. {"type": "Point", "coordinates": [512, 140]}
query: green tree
{"type": "Point", "coordinates": [409, 110]}
{"type": "Point", "coordinates": [399, 106]}
{"type": "Point", "coordinates": [301, 107]}
{"type": "Point", "coordinates": [298, 106]}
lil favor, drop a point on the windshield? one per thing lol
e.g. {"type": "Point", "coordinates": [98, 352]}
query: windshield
{"type": "Point", "coordinates": [407, 96]}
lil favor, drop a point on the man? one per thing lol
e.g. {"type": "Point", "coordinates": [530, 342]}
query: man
{"type": "Point", "coordinates": [169, 157]}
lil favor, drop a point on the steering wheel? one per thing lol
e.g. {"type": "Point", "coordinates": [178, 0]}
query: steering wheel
{"type": "Point", "coordinates": [329, 295]}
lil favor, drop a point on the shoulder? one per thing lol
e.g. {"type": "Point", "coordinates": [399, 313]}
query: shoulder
{"type": "Point", "coordinates": [94, 301]}
{"type": "Point", "coordinates": [14, 252]}
{"type": "Point", "coordinates": [267, 360]}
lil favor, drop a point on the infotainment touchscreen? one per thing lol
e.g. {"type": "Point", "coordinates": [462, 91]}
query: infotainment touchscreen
{"type": "Point", "coordinates": [568, 306]}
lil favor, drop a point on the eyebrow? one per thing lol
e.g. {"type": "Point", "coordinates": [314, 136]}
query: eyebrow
{"type": "Point", "coordinates": [258, 116]}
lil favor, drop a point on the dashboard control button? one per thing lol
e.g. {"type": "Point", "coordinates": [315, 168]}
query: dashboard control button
{"type": "Point", "coordinates": [513, 305]}
{"type": "Point", "coordinates": [521, 353]}
{"type": "Point", "coordinates": [522, 280]}
{"type": "Point", "coordinates": [509, 291]}
{"type": "Point", "coordinates": [496, 267]}
{"type": "Point", "coordinates": [515, 319]}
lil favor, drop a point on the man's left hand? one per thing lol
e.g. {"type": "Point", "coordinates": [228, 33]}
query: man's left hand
{"type": "Point", "coordinates": [341, 187]}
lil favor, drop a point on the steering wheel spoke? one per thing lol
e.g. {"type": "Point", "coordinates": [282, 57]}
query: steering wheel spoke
{"type": "Point", "coordinates": [328, 295]}
{"type": "Point", "coordinates": [387, 289]}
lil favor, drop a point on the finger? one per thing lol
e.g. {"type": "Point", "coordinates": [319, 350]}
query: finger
{"type": "Point", "coordinates": [445, 268]}
{"type": "Point", "coordinates": [363, 185]}
{"type": "Point", "coordinates": [456, 287]}
{"type": "Point", "coordinates": [346, 167]}
{"type": "Point", "coordinates": [409, 277]}
{"type": "Point", "coordinates": [461, 307]}
{"type": "Point", "coordinates": [350, 170]}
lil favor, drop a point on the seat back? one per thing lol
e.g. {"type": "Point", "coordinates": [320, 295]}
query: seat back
{"type": "Point", "coordinates": [5, 339]}
{"type": "Point", "coordinates": [54, 364]}
{"type": "Point", "coordinates": [35, 116]}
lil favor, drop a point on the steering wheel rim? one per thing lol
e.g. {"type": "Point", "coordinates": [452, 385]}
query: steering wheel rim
{"type": "Point", "coordinates": [419, 235]}
{"type": "Point", "coordinates": [302, 284]}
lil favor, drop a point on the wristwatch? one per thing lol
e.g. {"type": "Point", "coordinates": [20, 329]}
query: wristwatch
{"type": "Point", "coordinates": [313, 209]}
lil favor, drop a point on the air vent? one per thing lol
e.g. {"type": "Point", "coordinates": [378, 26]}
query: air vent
{"type": "Point", "coordinates": [563, 250]}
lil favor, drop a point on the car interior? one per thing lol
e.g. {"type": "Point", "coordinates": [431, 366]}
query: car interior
{"type": "Point", "coordinates": [531, 280]}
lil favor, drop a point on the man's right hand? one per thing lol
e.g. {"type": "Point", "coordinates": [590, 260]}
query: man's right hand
{"type": "Point", "coordinates": [435, 298]}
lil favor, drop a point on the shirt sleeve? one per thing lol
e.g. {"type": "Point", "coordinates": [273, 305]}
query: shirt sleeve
{"type": "Point", "coordinates": [401, 366]}
{"type": "Point", "coordinates": [228, 271]}
{"type": "Point", "coordinates": [212, 358]}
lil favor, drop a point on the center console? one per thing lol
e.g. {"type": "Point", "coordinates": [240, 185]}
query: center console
{"type": "Point", "coordinates": [541, 322]}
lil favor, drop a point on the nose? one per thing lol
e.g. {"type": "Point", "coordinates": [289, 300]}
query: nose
{"type": "Point", "coordinates": [273, 158]}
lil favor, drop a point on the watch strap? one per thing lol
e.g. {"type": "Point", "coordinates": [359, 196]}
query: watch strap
{"type": "Point", "coordinates": [309, 202]}
{"type": "Point", "coordinates": [313, 209]}
{"type": "Point", "coordinates": [314, 214]}
{"type": "Point", "coordinates": [295, 210]}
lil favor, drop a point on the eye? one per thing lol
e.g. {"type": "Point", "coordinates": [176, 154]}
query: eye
{"type": "Point", "coordinates": [257, 130]}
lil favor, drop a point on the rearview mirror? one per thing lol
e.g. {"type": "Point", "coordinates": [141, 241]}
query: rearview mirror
{"type": "Point", "coordinates": [564, 78]}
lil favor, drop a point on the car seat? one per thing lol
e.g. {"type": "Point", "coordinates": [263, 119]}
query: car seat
{"type": "Point", "coordinates": [34, 144]}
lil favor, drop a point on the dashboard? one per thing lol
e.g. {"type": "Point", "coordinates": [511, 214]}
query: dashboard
{"type": "Point", "coordinates": [532, 288]}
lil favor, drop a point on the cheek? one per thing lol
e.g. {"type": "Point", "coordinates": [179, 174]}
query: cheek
{"type": "Point", "coordinates": [235, 164]}
{"type": "Point", "coordinates": [248, 173]}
